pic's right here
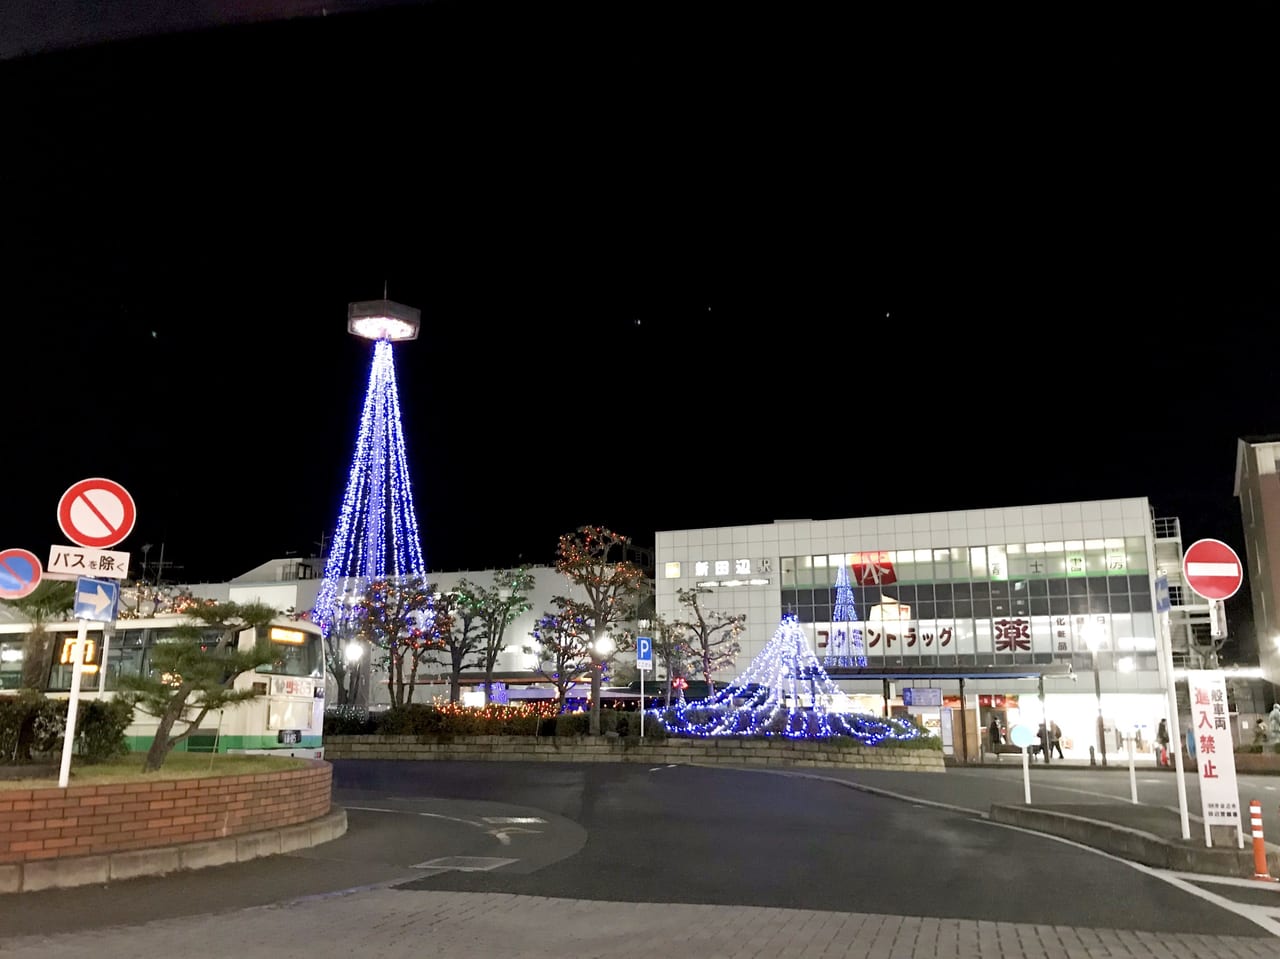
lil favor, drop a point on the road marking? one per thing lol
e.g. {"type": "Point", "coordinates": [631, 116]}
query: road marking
{"type": "Point", "coordinates": [502, 835]}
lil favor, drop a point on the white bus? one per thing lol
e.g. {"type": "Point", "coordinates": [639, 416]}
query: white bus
{"type": "Point", "coordinates": [286, 719]}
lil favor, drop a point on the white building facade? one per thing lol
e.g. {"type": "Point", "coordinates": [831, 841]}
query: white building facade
{"type": "Point", "coordinates": [990, 605]}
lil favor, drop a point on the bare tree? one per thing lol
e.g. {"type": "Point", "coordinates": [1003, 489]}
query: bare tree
{"type": "Point", "coordinates": [712, 637]}
{"type": "Point", "coordinates": [498, 608]}
{"type": "Point", "coordinates": [595, 559]}
{"type": "Point", "coordinates": [399, 617]}
{"type": "Point", "coordinates": [462, 645]}
{"type": "Point", "coordinates": [670, 646]}
{"type": "Point", "coordinates": [564, 652]}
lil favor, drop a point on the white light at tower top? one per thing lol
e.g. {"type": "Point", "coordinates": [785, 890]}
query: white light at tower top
{"type": "Point", "coordinates": [383, 320]}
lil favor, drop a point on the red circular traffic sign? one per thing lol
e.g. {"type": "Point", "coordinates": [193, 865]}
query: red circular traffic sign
{"type": "Point", "coordinates": [20, 573]}
{"type": "Point", "coordinates": [1212, 569]}
{"type": "Point", "coordinates": [96, 513]}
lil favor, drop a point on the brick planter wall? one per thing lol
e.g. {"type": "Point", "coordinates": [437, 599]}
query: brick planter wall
{"type": "Point", "coordinates": [44, 824]}
{"type": "Point", "coordinates": [810, 754]}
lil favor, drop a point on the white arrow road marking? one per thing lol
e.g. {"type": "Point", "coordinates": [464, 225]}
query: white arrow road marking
{"type": "Point", "coordinates": [502, 835]}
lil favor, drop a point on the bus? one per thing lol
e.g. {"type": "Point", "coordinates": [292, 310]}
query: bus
{"type": "Point", "coordinates": [285, 719]}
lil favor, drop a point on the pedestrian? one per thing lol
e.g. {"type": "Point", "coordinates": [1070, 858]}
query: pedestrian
{"type": "Point", "coordinates": [1055, 738]}
{"type": "Point", "coordinates": [1042, 735]}
{"type": "Point", "coordinates": [1162, 740]}
{"type": "Point", "coordinates": [1191, 743]}
{"type": "Point", "coordinates": [993, 734]}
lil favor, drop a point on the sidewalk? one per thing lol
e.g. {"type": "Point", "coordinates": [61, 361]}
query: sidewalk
{"type": "Point", "coordinates": [1139, 832]}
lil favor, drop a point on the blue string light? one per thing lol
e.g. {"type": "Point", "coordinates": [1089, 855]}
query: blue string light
{"type": "Point", "coordinates": [786, 693]}
{"type": "Point", "coordinates": [377, 531]}
{"type": "Point", "coordinates": [846, 649]}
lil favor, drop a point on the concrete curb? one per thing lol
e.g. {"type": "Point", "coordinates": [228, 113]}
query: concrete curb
{"type": "Point", "coordinates": [1135, 845]}
{"type": "Point", "coordinates": [87, 870]}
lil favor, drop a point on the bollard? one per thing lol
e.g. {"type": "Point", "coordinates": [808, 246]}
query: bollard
{"type": "Point", "coordinates": [1259, 847]}
{"type": "Point", "coordinates": [1093, 759]}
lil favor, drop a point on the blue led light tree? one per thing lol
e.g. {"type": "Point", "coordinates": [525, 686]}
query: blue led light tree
{"type": "Point", "coordinates": [377, 531]}
{"type": "Point", "coordinates": [846, 646]}
{"type": "Point", "coordinates": [783, 692]}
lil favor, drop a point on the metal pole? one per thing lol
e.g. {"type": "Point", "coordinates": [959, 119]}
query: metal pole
{"type": "Point", "coordinates": [1102, 726]}
{"type": "Point", "coordinates": [1133, 776]}
{"type": "Point", "coordinates": [1044, 721]}
{"type": "Point", "coordinates": [1172, 694]}
{"type": "Point", "coordinates": [964, 726]}
{"type": "Point", "coordinates": [73, 703]}
{"type": "Point", "coordinates": [642, 672]}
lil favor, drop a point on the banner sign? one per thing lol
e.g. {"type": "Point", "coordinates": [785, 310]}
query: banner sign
{"type": "Point", "coordinates": [1215, 754]}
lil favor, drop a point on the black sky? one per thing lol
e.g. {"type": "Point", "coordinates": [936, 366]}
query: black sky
{"type": "Point", "coordinates": [924, 261]}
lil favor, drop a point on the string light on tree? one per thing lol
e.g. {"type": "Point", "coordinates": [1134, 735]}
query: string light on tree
{"type": "Point", "coordinates": [846, 648]}
{"type": "Point", "coordinates": [785, 692]}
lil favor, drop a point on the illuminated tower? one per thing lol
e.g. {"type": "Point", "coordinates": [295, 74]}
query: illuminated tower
{"type": "Point", "coordinates": [377, 531]}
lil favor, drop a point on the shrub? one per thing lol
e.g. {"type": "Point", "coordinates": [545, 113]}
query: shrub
{"type": "Point", "coordinates": [348, 720]}
{"type": "Point", "coordinates": [101, 727]}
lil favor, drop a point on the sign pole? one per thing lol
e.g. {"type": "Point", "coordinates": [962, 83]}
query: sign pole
{"type": "Point", "coordinates": [642, 672]}
{"type": "Point", "coordinates": [1172, 694]}
{"type": "Point", "coordinates": [73, 703]}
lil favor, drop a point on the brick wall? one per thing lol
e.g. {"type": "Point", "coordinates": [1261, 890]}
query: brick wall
{"type": "Point", "coordinates": [39, 824]}
{"type": "Point", "coordinates": [810, 754]}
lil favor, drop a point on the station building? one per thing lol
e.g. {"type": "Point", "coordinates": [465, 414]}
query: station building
{"type": "Point", "coordinates": [1021, 614]}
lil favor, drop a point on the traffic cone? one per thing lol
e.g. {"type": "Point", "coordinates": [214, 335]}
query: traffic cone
{"type": "Point", "coordinates": [1259, 847]}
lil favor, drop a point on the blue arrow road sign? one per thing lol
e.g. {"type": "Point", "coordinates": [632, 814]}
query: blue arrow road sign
{"type": "Point", "coordinates": [96, 599]}
{"type": "Point", "coordinates": [644, 652]}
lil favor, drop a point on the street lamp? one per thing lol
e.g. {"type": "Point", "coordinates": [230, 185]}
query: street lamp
{"type": "Point", "coordinates": [1094, 639]}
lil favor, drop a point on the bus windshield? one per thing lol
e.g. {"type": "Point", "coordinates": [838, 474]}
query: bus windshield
{"type": "Point", "coordinates": [295, 653]}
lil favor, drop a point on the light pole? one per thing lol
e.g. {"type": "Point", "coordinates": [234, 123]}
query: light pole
{"type": "Point", "coordinates": [1094, 639]}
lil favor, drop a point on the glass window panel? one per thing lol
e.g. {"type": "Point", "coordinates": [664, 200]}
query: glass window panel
{"type": "Point", "coordinates": [1135, 548]}
{"type": "Point", "coordinates": [1038, 587]}
{"type": "Point", "coordinates": [1058, 606]}
{"type": "Point", "coordinates": [1017, 558]}
{"type": "Point", "coordinates": [788, 567]}
{"type": "Point", "coordinates": [1095, 556]}
{"type": "Point", "coordinates": [1077, 586]}
{"type": "Point", "coordinates": [978, 562]}
{"type": "Point", "coordinates": [1078, 604]}
{"type": "Point", "coordinates": [1120, 604]}
{"type": "Point", "coordinates": [1073, 551]}
{"type": "Point", "coordinates": [1140, 602]}
{"type": "Point", "coordinates": [1039, 606]}
{"type": "Point", "coordinates": [997, 562]}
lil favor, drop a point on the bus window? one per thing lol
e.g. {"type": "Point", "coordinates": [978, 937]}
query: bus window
{"type": "Point", "coordinates": [124, 655]}
{"type": "Point", "coordinates": [296, 653]}
{"type": "Point", "coordinates": [64, 644]}
{"type": "Point", "coordinates": [11, 664]}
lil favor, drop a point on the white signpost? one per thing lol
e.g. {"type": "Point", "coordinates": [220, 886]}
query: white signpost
{"type": "Point", "coordinates": [96, 600]}
{"type": "Point", "coordinates": [1211, 726]}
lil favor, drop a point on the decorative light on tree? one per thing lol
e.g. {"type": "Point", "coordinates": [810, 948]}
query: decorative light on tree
{"type": "Point", "coordinates": [846, 646]}
{"type": "Point", "coordinates": [377, 531]}
{"type": "Point", "coordinates": [784, 692]}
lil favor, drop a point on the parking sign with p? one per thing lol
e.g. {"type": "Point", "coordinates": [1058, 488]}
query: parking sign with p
{"type": "Point", "coordinates": [644, 652]}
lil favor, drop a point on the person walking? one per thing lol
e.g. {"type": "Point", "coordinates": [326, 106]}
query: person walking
{"type": "Point", "coordinates": [1162, 739]}
{"type": "Point", "coordinates": [1055, 738]}
{"type": "Point", "coordinates": [994, 739]}
{"type": "Point", "coordinates": [1042, 735]}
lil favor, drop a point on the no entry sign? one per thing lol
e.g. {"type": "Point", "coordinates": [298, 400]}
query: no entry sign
{"type": "Point", "coordinates": [96, 513]}
{"type": "Point", "coordinates": [1212, 569]}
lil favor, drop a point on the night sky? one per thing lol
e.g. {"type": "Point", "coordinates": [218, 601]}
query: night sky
{"type": "Point", "coordinates": [679, 265]}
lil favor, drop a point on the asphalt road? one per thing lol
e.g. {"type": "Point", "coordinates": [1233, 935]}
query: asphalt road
{"type": "Point", "coordinates": [630, 833]}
